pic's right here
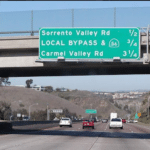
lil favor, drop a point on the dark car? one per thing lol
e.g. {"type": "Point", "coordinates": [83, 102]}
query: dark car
{"type": "Point", "coordinates": [94, 119]}
{"type": "Point", "coordinates": [104, 120]}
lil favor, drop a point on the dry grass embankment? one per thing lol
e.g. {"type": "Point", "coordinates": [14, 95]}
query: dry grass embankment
{"type": "Point", "coordinates": [28, 97]}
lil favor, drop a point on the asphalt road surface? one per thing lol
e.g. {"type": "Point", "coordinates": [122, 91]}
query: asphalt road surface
{"type": "Point", "coordinates": [132, 137]}
{"type": "Point", "coordinates": [104, 127]}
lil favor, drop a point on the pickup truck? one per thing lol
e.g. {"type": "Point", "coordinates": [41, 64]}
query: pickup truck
{"type": "Point", "coordinates": [88, 123]}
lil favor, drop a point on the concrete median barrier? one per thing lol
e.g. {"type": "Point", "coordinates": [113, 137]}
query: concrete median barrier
{"type": "Point", "coordinates": [5, 125]}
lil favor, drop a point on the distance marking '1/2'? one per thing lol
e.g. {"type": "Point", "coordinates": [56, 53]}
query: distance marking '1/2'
{"type": "Point", "coordinates": [132, 32]}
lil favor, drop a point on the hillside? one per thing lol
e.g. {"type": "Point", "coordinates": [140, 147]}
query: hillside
{"type": "Point", "coordinates": [27, 97]}
{"type": "Point", "coordinates": [144, 110]}
{"type": "Point", "coordinates": [88, 100]}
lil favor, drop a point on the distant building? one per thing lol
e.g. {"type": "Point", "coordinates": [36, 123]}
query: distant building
{"type": "Point", "coordinates": [107, 93]}
{"type": "Point", "coordinates": [96, 92]}
{"type": "Point", "coordinates": [18, 85]}
{"type": "Point", "coordinates": [38, 87]}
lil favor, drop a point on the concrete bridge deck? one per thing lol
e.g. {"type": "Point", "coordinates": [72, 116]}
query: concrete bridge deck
{"type": "Point", "coordinates": [18, 57]}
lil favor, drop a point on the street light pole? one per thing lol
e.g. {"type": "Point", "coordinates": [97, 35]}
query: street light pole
{"type": "Point", "coordinates": [47, 113]}
{"type": "Point", "coordinates": [30, 107]}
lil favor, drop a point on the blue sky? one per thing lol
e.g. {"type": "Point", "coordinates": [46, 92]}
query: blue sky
{"type": "Point", "coordinates": [103, 83]}
{"type": "Point", "coordinates": [39, 5]}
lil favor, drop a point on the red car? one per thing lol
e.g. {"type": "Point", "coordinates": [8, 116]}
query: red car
{"type": "Point", "coordinates": [123, 120]}
{"type": "Point", "coordinates": [88, 123]}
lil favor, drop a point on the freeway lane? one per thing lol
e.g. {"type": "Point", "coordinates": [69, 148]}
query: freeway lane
{"type": "Point", "coordinates": [57, 142]}
{"type": "Point", "coordinates": [66, 138]}
{"type": "Point", "coordinates": [103, 127]}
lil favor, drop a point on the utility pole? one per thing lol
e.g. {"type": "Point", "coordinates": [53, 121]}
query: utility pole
{"type": "Point", "coordinates": [148, 107]}
{"type": "Point", "coordinates": [147, 40]}
{"type": "Point", "coordinates": [47, 113]}
{"type": "Point", "coordinates": [115, 17]}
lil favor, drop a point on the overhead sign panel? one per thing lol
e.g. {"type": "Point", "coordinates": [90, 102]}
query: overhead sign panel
{"type": "Point", "coordinates": [56, 111]}
{"type": "Point", "coordinates": [89, 43]}
{"type": "Point", "coordinates": [91, 111]}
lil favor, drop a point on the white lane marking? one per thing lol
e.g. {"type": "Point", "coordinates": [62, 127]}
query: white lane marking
{"type": "Point", "coordinates": [106, 125]}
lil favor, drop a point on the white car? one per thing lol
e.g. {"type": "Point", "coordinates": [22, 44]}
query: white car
{"type": "Point", "coordinates": [135, 121]}
{"type": "Point", "coordinates": [116, 123]}
{"type": "Point", "coordinates": [65, 122]}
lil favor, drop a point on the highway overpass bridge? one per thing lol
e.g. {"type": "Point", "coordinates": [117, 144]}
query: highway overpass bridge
{"type": "Point", "coordinates": [19, 58]}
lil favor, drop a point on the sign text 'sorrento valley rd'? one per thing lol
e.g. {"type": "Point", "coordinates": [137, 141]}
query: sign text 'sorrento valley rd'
{"type": "Point", "coordinates": [89, 43]}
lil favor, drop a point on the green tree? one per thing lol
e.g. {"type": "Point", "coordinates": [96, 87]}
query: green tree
{"type": "Point", "coordinates": [58, 89]}
{"type": "Point", "coordinates": [5, 110]}
{"type": "Point", "coordinates": [125, 107]}
{"type": "Point", "coordinates": [41, 115]}
{"type": "Point", "coordinates": [20, 111]}
{"type": "Point", "coordinates": [48, 89]}
{"type": "Point", "coordinates": [66, 113]}
{"type": "Point", "coordinates": [116, 104]}
{"type": "Point", "coordinates": [4, 80]}
{"type": "Point", "coordinates": [29, 82]}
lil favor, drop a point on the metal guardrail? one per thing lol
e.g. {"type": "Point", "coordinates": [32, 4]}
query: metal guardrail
{"type": "Point", "coordinates": [30, 21]}
{"type": "Point", "coordinates": [143, 31]}
{"type": "Point", "coordinates": [17, 32]}
{"type": "Point", "coordinates": [23, 123]}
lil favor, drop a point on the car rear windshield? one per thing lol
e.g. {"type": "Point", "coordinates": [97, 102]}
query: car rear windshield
{"type": "Point", "coordinates": [86, 120]}
{"type": "Point", "coordinates": [116, 120]}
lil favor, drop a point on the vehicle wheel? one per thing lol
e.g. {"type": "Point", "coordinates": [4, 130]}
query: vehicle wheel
{"type": "Point", "coordinates": [83, 127]}
{"type": "Point", "coordinates": [70, 125]}
{"type": "Point", "coordinates": [122, 127]}
{"type": "Point", "coordinates": [92, 127]}
{"type": "Point", "coordinates": [60, 126]}
{"type": "Point", "coordinates": [109, 127]}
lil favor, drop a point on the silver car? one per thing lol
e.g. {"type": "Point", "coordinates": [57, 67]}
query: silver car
{"type": "Point", "coordinates": [65, 122]}
{"type": "Point", "coordinates": [104, 120]}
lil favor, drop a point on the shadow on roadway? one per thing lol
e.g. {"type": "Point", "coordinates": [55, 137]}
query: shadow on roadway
{"type": "Point", "coordinates": [79, 133]}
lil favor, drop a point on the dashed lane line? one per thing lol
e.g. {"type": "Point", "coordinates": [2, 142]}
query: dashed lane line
{"type": "Point", "coordinates": [106, 126]}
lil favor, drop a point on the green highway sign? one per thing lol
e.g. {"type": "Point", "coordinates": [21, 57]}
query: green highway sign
{"type": "Point", "coordinates": [136, 116]}
{"type": "Point", "coordinates": [90, 111]}
{"type": "Point", "coordinates": [89, 43]}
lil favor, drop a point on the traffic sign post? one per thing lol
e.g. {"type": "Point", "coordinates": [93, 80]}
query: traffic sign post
{"type": "Point", "coordinates": [90, 111]}
{"type": "Point", "coordinates": [89, 43]}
